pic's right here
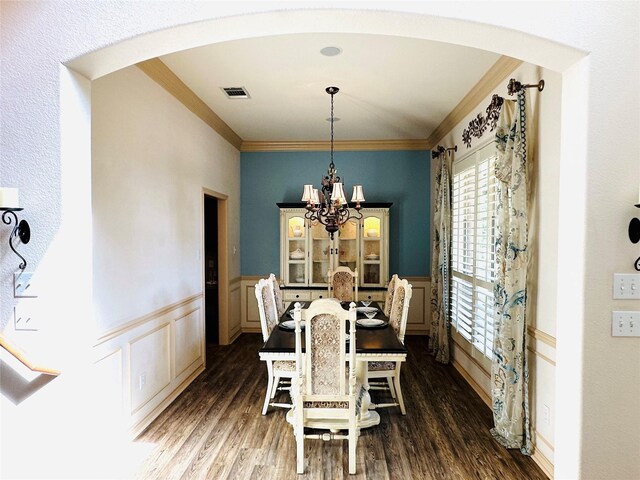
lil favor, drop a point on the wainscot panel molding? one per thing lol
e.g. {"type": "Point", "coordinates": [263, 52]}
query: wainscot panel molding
{"type": "Point", "coordinates": [147, 362]}
{"type": "Point", "coordinates": [542, 336]}
{"type": "Point", "coordinates": [249, 305]}
{"type": "Point", "coordinates": [339, 145]}
{"type": "Point", "coordinates": [475, 372]}
{"type": "Point", "coordinates": [419, 310]}
{"type": "Point", "coordinates": [419, 321]}
{"type": "Point", "coordinates": [476, 387]}
{"type": "Point", "coordinates": [541, 443]}
{"type": "Point", "coordinates": [235, 318]}
{"type": "Point", "coordinates": [543, 462]}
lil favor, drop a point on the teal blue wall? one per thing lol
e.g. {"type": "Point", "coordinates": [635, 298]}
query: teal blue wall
{"type": "Point", "coordinates": [400, 177]}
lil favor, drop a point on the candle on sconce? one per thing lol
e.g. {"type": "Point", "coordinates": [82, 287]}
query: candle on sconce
{"type": "Point", "coordinates": [9, 197]}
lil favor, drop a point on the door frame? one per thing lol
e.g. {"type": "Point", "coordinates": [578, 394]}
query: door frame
{"type": "Point", "coordinates": [223, 264]}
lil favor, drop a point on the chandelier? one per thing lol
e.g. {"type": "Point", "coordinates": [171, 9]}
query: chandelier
{"type": "Point", "coordinates": [331, 208]}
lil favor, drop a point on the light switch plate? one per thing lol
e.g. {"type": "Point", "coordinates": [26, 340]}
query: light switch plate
{"type": "Point", "coordinates": [22, 285]}
{"type": "Point", "coordinates": [25, 316]}
{"type": "Point", "coordinates": [625, 324]}
{"type": "Point", "coordinates": [626, 286]}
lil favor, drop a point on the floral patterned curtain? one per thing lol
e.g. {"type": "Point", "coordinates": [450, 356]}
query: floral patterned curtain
{"type": "Point", "coordinates": [440, 336]}
{"type": "Point", "coordinates": [509, 372]}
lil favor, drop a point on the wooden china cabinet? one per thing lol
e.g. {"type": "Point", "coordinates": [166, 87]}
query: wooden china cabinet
{"type": "Point", "coordinates": [307, 252]}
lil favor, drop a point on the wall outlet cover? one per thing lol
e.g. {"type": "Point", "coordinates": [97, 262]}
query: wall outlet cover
{"type": "Point", "coordinates": [25, 316]}
{"type": "Point", "coordinates": [22, 285]}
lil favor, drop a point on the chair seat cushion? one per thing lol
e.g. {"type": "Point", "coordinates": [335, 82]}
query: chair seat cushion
{"type": "Point", "coordinates": [341, 404]}
{"type": "Point", "coordinates": [285, 365]}
{"type": "Point", "coordinates": [381, 366]}
{"type": "Point", "coordinates": [326, 404]}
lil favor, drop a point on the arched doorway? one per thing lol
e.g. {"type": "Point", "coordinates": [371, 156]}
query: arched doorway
{"type": "Point", "coordinates": [456, 31]}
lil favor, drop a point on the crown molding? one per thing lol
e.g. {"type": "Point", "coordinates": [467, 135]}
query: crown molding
{"type": "Point", "coordinates": [485, 86]}
{"type": "Point", "coordinates": [168, 80]}
{"type": "Point", "coordinates": [342, 145]}
{"type": "Point", "coordinates": [163, 76]}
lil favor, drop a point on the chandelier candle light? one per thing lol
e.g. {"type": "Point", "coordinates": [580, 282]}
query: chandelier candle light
{"type": "Point", "coordinates": [332, 209]}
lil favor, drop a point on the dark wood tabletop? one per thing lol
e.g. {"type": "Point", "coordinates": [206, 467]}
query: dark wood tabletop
{"type": "Point", "coordinates": [368, 340]}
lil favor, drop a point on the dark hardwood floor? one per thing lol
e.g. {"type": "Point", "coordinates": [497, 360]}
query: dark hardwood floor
{"type": "Point", "coordinates": [214, 429]}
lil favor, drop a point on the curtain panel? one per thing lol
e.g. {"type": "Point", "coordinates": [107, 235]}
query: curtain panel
{"type": "Point", "coordinates": [509, 372]}
{"type": "Point", "coordinates": [440, 334]}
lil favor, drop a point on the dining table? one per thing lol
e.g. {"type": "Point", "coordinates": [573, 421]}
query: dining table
{"type": "Point", "coordinates": [379, 343]}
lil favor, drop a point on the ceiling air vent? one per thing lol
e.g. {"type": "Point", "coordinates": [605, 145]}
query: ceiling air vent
{"type": "Point", "coordinates": [236, 92]}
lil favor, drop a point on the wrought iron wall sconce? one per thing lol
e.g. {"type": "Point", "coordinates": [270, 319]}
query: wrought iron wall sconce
{"type": "Point", "coordinates": [20, 230]}
{"type": "Point", "coordinates": [634, 235]}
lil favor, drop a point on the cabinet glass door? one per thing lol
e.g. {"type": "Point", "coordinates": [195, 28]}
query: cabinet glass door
{"type": "Point", "coordinates": [296, 250]}
{"type": "Point", "coordinates": [372, 251]}
{"type": "Point", "coordinates": [320, 254]}
{"type": "Point", "coordinates": [347, 245]}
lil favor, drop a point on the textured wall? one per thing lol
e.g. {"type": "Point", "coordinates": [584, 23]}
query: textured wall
{"type": "Point", "coordinates": [400, 177]}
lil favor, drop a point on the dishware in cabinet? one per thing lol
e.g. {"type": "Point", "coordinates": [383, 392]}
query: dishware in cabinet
{"type": "Point", "coordinates": [307, 252]}
{"type": "Point", "coordinates": [294, 248]}
{"type": "Point", "coordinates": [320, 254]}
{"type": "Point", "coordinates": [374, 248]}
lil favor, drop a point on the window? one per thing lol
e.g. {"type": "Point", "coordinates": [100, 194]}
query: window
{"type": "Point", "coordinates": [473, 248]}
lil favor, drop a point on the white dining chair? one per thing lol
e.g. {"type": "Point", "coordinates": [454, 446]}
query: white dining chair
{"type": "Point", "coordinates": [343, 284]}
{"type": "Point", "coordinates": [276, 369]}
{"type": "Point", "coordinates": [277, 294]}
{"type": "Point", "coordinates": [390, 371]}
{"type": "Point", "coordinates": [388, 299]}
{"type": "Point", "coordinates": [326, 393]}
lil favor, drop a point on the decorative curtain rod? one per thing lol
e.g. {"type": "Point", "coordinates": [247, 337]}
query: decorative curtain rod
{"type": "Point", "coordinates": [515, 86]}
{"type": "Point", "coordinates": [440, 150]}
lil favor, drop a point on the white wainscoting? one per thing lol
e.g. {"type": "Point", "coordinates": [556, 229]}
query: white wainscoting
{"type": "Point", "coordinates": [235, 321]}
{"type": "Point", "coordinates": [146, 363]}
{"type": "Point", "coordinates": [250, 318]}
{"type": "Point", "coordinates": [542, 348]}
{"type": "Point", "coordinates": [417, 323]}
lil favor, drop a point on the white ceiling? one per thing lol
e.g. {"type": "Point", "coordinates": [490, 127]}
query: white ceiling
{"type": "Point", "coordinates": [390, 87]}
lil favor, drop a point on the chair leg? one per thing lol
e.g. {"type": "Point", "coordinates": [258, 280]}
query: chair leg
{"type": "Point", "coordinates": [353, 439]}
{"type": "Point", "coordinates": [396, 380]}
{"type": "Point", "coordinates": [274, 387]}
{"type": "Point", "coordinates": [300, 450]}
{"type": "Point", "coordinates": [391, 389]}
{"type": "Point", "coordinates": [269, 388]}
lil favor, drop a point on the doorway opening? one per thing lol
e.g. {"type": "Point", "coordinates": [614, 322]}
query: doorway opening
{"type": "Point", "coordinates": [211, 270]}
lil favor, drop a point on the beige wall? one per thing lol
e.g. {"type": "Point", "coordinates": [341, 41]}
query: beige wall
{"type": "Point", "coordinates": [545, 129]}
{"type": "Point", "coordinates": [151, 157]}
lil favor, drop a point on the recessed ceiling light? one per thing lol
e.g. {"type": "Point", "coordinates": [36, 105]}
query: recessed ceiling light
{"type": "Point", "coordinates": [331, 51]}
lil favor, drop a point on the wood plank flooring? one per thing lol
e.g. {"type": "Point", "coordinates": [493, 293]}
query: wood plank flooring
{"type": "Point", "coordinates": [214, 429]}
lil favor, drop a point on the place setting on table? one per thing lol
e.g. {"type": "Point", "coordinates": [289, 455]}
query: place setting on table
{"type": "Point", "coordinates": [374, 335]}
{"type": "Point", "coordinates": [369, 315]}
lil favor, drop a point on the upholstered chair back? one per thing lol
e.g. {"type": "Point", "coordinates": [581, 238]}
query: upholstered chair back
{"type": "Point", "coordinates": [343, 284]}
{"type": "Point", "coordinates": [277, 294]}
{"type": "Point", "coordinates": [266, 307]}
{"type": "Point", "coordinates": [399, 312]}
{"type": "Point", "coordinates": [388, 300]}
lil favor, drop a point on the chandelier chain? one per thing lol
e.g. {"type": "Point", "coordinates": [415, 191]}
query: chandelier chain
{"type": "Point", "coordinates": [332, 164]}
{"type": "Point", "coordinates": [329, 207]}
